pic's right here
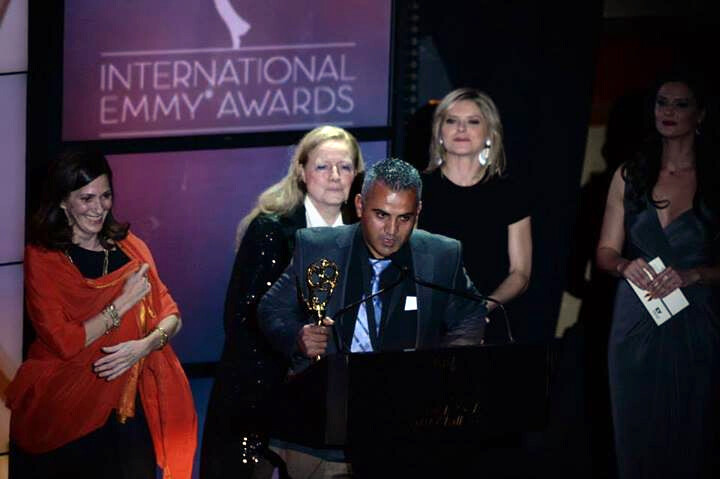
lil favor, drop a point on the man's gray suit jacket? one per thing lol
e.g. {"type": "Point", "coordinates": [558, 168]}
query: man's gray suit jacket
{"type": "Point", "coordinates": [444, 319]}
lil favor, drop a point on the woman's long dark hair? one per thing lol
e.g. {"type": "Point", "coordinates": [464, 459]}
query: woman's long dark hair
{"type": "Point", "coordinates": [49, 226]}
{"type": "Point", "coordinates": [643, 169]}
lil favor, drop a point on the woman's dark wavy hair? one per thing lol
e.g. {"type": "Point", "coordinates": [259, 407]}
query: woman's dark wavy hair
{"type": "Point", "coordinates": [643, 169]}
{"type": "Point", "coordinates": [49, 226]}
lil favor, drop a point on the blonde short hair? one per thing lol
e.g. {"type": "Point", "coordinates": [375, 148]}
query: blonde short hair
{"type": "Point", "coordinates": [491, 115]}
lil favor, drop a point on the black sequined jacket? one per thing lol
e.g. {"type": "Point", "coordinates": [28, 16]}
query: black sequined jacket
{"type": "Point", "coordinates": [248, 367]}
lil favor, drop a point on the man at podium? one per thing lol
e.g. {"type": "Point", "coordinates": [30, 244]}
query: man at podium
{"type": "Point", "coordinates": [376, 302]}
{"type": "Point", "coordinates": [378, 285]}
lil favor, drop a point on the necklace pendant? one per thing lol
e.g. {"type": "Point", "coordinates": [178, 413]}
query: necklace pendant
{"type": "Point", "coordinates": [106, 260]}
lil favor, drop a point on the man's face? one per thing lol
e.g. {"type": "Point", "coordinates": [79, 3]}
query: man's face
{"type": "Point", "coordinates": [387, 218]}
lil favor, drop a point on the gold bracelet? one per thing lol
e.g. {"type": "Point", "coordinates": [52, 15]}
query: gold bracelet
{"type": "Point", "coordinates": [164, 337]}
{"type": "Point", "coordinates": [110, 312]}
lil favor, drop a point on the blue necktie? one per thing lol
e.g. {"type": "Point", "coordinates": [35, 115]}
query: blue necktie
{"type": "Point", "coordinates": [361, 336]}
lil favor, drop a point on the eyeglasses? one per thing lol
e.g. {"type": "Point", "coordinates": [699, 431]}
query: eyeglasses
{"type": "Point", "coordinates": [342, 169]}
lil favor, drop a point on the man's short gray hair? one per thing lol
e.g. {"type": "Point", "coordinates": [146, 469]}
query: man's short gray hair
{"type": "Point", "coordinates": [395, 174]}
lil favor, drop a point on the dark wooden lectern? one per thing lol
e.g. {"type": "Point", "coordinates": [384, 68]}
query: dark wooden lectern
{"type": "Point", "coordinates": [433, 395]}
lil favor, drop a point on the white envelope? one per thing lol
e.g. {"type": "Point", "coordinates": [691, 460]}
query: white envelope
{"type": "Point", "coordinates": [661, 309]}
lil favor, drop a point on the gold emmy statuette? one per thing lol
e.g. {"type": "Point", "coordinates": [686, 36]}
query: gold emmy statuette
{"type": "Point", "coordinates": [321, 277]}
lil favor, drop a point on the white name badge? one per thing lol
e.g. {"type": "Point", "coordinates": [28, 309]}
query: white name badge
{"type": "Point", "coordinates": [410, 303]}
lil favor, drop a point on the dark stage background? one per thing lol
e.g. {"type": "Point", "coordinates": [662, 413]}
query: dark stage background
{"type": "Point", "coordinates": [534, 63]}
{"type": "Point", "coordinates": [536, 59]}
{"type": "Point", "coordinates": [537, 65]}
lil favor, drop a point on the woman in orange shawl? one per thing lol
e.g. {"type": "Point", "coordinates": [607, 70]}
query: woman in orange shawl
{"type": "Point", "coordinates": [101, 393]}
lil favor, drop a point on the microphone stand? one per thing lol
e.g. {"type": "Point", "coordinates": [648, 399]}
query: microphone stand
{"type": "Point", "coordinates": [470, 296]}
{"type": "Point", "coordinates": [404, 271]}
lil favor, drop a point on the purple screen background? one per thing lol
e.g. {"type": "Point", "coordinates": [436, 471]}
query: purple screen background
{"type": "Point", "coordinates": [186, 207]}
{"type": "Point", "coordinates": [105, 34]}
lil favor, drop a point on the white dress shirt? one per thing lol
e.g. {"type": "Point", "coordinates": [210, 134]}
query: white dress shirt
{"type": "Point", "coordinates": [313, 217]}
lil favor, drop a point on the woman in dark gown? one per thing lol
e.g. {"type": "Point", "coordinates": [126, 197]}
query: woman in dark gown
{"type": "Point", "coordinates": [317, 184]}
{"type": "Point", "coordinates": [664, 379]}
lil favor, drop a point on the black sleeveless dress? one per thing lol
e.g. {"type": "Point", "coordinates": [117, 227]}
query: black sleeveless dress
{"type": "Point", "coordinates": [664, 380]}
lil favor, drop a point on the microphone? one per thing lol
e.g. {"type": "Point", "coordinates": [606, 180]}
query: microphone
{"type": "Point", "coordinates": [405, 271]}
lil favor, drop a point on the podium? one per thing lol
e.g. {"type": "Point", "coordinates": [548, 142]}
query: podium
{"type": "Point", "coordinates": [452, 394]}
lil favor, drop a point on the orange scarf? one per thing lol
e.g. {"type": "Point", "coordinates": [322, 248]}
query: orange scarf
{"type": "Point", "coordinates": [56, 398]}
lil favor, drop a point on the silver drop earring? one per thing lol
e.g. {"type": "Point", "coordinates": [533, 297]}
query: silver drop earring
{"type": "Point", "coordinates": [439, 159]}
{"type": "Point", "coordinates": [484, 155]}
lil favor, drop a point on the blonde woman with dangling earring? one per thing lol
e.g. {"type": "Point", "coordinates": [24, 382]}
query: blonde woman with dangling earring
{"type": "Point", "coordinates": [467, 196]}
